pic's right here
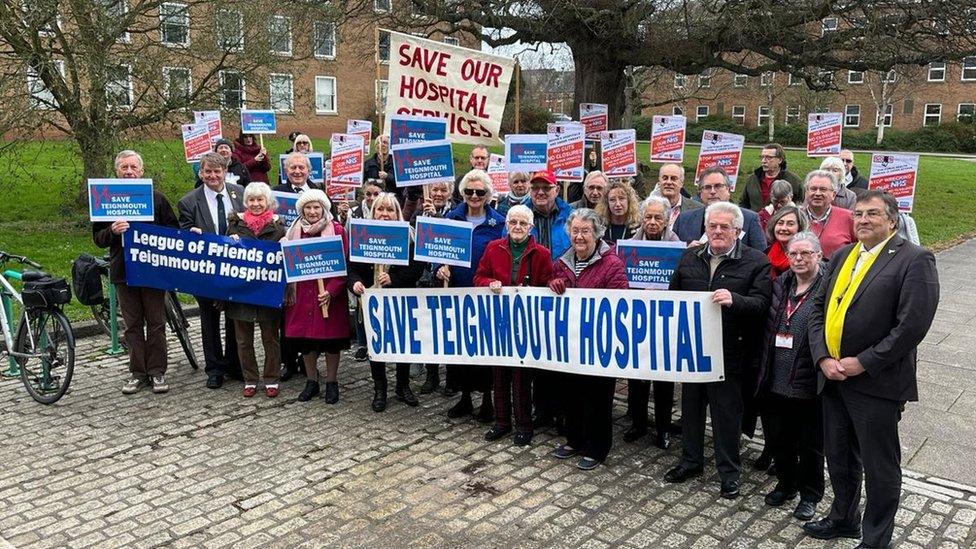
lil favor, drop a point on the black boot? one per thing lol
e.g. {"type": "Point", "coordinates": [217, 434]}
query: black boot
{"type": "Point", "coordinates": [310, 391]}
{"type": "Point", "coordinates": [433, 380]}
{"type": "Point", "coordinates": [405, 395]}
{"type": "Point", "coordinates": [463, 406]}
{"type": "Point", "coordinates": [379, 395]}
{"type": "Point", "coordinates": [486, 413]}
{"type": "Point", "coordinates": [331, 392]}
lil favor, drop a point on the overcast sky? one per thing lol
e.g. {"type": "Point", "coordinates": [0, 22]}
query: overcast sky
{"type": "Point", "coordinates": [536, 56]}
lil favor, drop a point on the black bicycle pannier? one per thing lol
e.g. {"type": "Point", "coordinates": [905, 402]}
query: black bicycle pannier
{"type": "Point", "coordinates": [86, 278]}
{"type": "Point", "coordinates": [46, 292]}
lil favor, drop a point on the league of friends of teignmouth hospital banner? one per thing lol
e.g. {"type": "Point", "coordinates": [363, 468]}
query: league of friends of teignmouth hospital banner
{"type": "Point", "coordinates": [669, 336]}
{"type": "Point", "coordinates": [463, 86]}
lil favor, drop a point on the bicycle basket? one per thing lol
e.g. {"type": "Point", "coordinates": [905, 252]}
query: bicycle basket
{"type": "Point", "coordinates": [86, 277]}
{"type": "Point", "coordinates": [46, 292]}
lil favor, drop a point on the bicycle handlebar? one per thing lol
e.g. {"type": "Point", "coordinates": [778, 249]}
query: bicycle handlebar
{"type": "Point", "coordinates": [4, 257]}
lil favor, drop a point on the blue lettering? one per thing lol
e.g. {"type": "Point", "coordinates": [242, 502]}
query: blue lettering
{"type": "Point", "coordinates": [501, 305]}
{"type": "Point", "coordinates": [704, 361]}
{"type": "Point", "coordinates": [546, 304]}
{"type": "Point", "coordinates": [374, 323]}
{"type": "Point", "coordinates": [666, 311]}
{"type": "Point", "coordinates": [638, 330]}
{"type": "Point", "coordinates": [446, 321]}
{"type": "Point", "coordinates": [487, 329]}
{"type": "Point", "coordinates": [623, 349]}
{"type": "Point", "coordinates": [412, 320]}
{"type": "Point", "coordinates": [471, 326]}
{"type": "Point", "coordinates": [562, 329]}
{"type": "Point", "coordinates": [684, 353]}
{"type": "Point", "coordinates": [521, 330]}
{"type": "Point", "coordinates": [652, 333]}
{"type": "Point", "coordinates": [535, 338]}
{"type": "Point", "coordinates": [400, 328]}
{"type": "Point", "coordinates": [605, 343]}
{"type": "Point", "coordinates": [434, 306]}
{"type": "Point", "coordinates": [459, 330]}
{"type": "Point", "coordinates": [586, 331]}
{"type": "Point", "coordinates": [389, 338]}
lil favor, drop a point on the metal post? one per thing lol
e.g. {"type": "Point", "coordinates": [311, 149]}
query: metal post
{"type": "Point", "coordinates": [113, 322]}
{"type": "Point", "coordinates": [14, 369]}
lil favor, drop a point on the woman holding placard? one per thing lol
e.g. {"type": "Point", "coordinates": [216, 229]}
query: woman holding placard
{"type": "Point", "coordinates": [248, 151]}
{"type": "Point", "coordinates": [387, 208]}
{"type": "Point", "coordinates": [308, 330]}
{"type": "Point", "coordinates": [619, 211]}
{"type": "Point", "coordinates": [489, 225]}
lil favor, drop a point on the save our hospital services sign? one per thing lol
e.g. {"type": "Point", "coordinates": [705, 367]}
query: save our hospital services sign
{"type": "Point", "coordinates": [824, 132]}
{"type": "Point", "coordinates": [466, 87]}
{"type": "Point", "coordinates": [896, 174]}
{"type": "Point", "coordinates": [723, 150]}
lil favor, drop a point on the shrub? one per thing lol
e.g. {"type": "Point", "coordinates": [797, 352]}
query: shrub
{"type": "Point", "coordinates": [534, 119]}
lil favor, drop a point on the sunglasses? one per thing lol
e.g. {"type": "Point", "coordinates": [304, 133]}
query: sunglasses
{"type": "Point", "coordinates": [472, 192]}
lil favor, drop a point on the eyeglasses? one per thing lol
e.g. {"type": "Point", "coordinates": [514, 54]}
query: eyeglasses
{"type": "Point", "coordinates": [767, 156]}
{"type": "Point", "coordinates": [581, 232]}
{"type": "Point", "coordinates": [710, 188]}
{"type": "Point", "coordinates": [472, 192]}
{"type": "Point", "coordinates": [545, 189]}
{"type": "Point", "coordinates": [518, 223]}
{"type": "Point", "coordinates": [873, 214]}
{"type": "Point", "coordinates": [805, 254]}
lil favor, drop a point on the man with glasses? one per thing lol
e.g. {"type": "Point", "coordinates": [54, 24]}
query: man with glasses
{"type": "Point", "coordinates": [670, 183]}
{"type": "Point", "coordinates": [755, 189]}
{"type": "Point", "coordinates": [594, 188]}
{"type": "Point", "coordinates": [852, 178]}
{"type": "Point", "coordinates": [831, 224]}
{"type": "Point", "coordinates": [713, 186]}
{"type": "Point", "coordinates": [879, 297]}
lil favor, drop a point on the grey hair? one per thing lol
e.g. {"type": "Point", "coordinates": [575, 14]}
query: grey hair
{"type": "Point", "coordinates": [586, 214]}
{"type": "Point", "coordinates": [726, 207]}
{"type": "Point", "coordinates": [820, 173]}
{"type": "Point", "coordinates": [781, 188]}
{"type": "Point", "coordinates": [126, 154]}
{"type": "Point", "coordinates": [448, 184]}
{"type": "Point", "coordinates": [805, 236]}
{"type": "Point", "coordinates": [518, 175]}
{"type": "Point", "coordinates": [664, 203]}
{"type": "Point", "coordinates": [477, 175]}
{"type": "Point", "coordinates": [836, 162]}
{"type": "Point", "coordinates": [593, 175]}
{"type": "Point", "coordinates": [295, 156]}
{"type": "Point", "coordinates": [520, 210]}
{"type": "Point", "coordinates": [214, 159]}
{"type": "Point", "coordinates": [259, 188]}
{"type": "Point", "coordinates": [681, 169]}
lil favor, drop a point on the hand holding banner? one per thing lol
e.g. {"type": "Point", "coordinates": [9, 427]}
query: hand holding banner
{"type": "Point", "coordinates": [618, 153]}
{"type": "Point", "coordinates": [314, 258]}
{"type": "Point", "coordinates": [723, 150]}
{"type": "Point", "coordinates": [650, 263]}
{"type": "Point", "coordinates": [423, 163]}
{"type": "Point", "coordinates": [896, 174]}
{"type": "Point", "coordinates": [564, 150]}
{"type": "Point", "coordinates": [347, 159]}
{"type": "Point", "coordinates": [443, 241]}
{"type": "Point", "coordinates": [379, 242]}
{"type": "Point", "coordinates": [824, 133]}
{"type": "Point", "coordinates": [668, 138]}
{"type": "Point", "coordinates": [120, 199]}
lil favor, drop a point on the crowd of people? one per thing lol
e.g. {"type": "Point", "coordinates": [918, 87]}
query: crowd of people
{"type": "Point", "coordinates": [823, 289]}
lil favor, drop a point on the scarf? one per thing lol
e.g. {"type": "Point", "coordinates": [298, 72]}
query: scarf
{"type": "Point", "coordinates": [777, 259]}
{"type": "Point", "coordinates": [845, 287]}
{"type": "Point", "coordinates": [301, 228]}
{"type": "Point", "coordinates": [257, 222]}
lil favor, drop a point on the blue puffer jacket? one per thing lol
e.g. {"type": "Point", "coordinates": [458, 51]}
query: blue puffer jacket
{"type": "Point", "coordinates": [492, 229]}
{"type": "Point", "coordinates": [559, 238]}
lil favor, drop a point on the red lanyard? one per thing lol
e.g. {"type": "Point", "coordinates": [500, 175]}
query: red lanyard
{"type": "Point", "coordinates": [791, 308]}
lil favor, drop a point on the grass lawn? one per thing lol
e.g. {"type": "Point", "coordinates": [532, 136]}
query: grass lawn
{"type": "Point", "coordinates": [38, 217]}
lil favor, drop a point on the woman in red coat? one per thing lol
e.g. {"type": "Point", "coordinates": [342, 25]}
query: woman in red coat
{"type": "Point", "coordinates": [514, 260]}
{"type": "Point", "coordinates": [249, 152]}
{"type": "Point", "coordinates": [307, 330]}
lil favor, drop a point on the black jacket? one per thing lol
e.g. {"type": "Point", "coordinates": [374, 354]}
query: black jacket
{"type": "Point", "coordinates": [858, 182]}
{"type": "Point", "coordinates": [163, 215]}
{"type": "Point", "coordinates": [803, 374]}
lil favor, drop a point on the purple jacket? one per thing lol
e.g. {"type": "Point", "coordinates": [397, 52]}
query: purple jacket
{"type": "Point", "coordinates": [604, 271]}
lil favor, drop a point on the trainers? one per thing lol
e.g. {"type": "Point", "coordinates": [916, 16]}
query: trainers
{"type": "Point", "coordinates": [361, 354]}
{"type": "Point", "coordinates": [133, 386]}
{"type": "Point", "coordinates": [159, 385]}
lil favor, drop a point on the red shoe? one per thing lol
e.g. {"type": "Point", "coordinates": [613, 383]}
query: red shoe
{"type": "Point", "coordinates": [250, 391]}
{"type": "Point", "coordinates": [271, 391]}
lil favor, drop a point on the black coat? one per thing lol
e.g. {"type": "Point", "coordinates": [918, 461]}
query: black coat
{"type": "Point", "coordinates": [803, 374]}
{"type": "Point", "coordinates": [163, 215]}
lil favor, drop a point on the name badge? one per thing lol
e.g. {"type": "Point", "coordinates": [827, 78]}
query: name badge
{"type": "Point", "coordinates": [784, 341]}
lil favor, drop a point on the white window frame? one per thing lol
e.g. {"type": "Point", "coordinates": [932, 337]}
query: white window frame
{"type": "Point", "coordinates": [221, 14]}
{"type": "Point", "coordinates": [166, 80]}
{"type": "Point", "coordinates": [792, 80]}
{"type": "Point", "coordinates": [926, 115]}
{"type": "Point", "coordinates": [680, 81]}
{"type": "Point", "coordinates": [127, 88]}
{"type": "Point", "coordinates": [452, 40]}
{"type": "Point", "coordinates": [968, 64]}
{"type": "Point", "coordinates": [173, 19]}
{"type": "Point", "coordinates": [856, 116]}
{"type": "Point", "coordinates": [271, 38]}
{"type": "Point", "coordinates": [934, 66]}
{"type": "Point", "coordinates": [762, 115]}
{"type": "Point", "coordinates": [222, 102]}
{"type": "Point", "coordinates": [826, 77]}
{"type": "Point", "coordinates": [851, 77]}
{"type": "Point", "coordinates": [107, 4]}
{"type": "Point", "coordinates": [40, 97]}
{"type": "Point", "coordinates": [389, 44]}
{"type": "Point", "coordinates": [335, 95]}
{"type": "Point", "coordinates": [828, 24]}
{"type": "Point", "coordinates": [290, 81]}
{"type": "Point", "coordinates": [767, 79]}
{"type": "Point", "coordinates": [386, 8]}
{"type": "Point", "coordinates": [381, 94]}
{"type": "Point", "coordinates": [677, 110]}
{"type": "Point", "coordinates": [316, 26]}
{"type": "Point", "coordinates": [698, 112]}
{"type": "Point", "coordinates": [791, 112]}
{"type": "Point", "coordinates": [890, 77]}
{"type": "Point", "coordinates": [740, 116]}
{"type": "Point", "coordinates": [705, 79]}
{"type": "Point", "coordinates": [970, 115]}
{"type": "Point", "coordinates": [740, 80]}
{"type": "Point", "coordinates": [888, 118]}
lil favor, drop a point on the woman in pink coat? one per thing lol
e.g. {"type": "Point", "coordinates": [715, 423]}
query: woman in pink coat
{"type": "Point", "coordinates": [306, 329]}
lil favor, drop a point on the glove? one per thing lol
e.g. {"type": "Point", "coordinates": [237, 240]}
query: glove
{"type": "Point", "coordinates": [558, 285]}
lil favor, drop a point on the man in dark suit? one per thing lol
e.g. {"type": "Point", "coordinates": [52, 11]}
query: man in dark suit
{"type": "Point", "coordinates": [298, 175]}
{"type": "Point", "coordinates": [877, 303]}
{"type": "Point", "coordinates": [205, 210]}
{"type": "Point", "coordinates": [713, 186]}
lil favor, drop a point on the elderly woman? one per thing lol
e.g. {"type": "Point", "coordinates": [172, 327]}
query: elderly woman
{"type": "Point", "coordinates": [515, 260]}
{"type": "Point", "coordinates": [785, 223]}
{"type": "Point", "coordinates": [489, 225]}
{"type": "Point", "coordinates": [518, 184]}
{"type": "Point", "coordinates": [588, 263]}
{"type": "Point", "coordinates": [787, 383]}
{"type": "Point", "coordinates": [258, 221]}
{"type": "Point", "coordinates": [307, 331]}
{"type": "Point", "coordinates": [386, 207]}
{"type": "Point", "coordinates": [780, 195]}
{"type": "Point", "coordinates": [656, 211]}
{"type": "Point", "coordinates": [845, 197]}
{"type": "Point", "coordinates": [619, 212]}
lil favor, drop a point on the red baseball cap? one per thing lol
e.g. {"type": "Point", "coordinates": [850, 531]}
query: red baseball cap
{"type": "Point", "coordinates": [544, 175]}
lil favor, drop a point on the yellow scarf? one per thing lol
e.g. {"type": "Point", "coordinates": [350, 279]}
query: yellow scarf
{"type": "Point", "coordinates": [843, 293]}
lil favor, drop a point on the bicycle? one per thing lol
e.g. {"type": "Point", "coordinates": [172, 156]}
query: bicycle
{"type": "Point", "coordinates": [43, 346]}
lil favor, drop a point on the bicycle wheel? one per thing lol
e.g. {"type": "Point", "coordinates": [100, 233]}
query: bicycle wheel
{"type": "Point", "coordinates": [101, 314]}
{"type": "Point", "coordinates": [48, 337]}
{"type": "Point", "coordinates": [178, 323]}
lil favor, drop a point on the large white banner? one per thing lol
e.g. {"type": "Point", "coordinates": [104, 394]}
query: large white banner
{"type": "Point", "coordinates": [659, 335]}
{"type": "Point", "coordinates": [466, 87]}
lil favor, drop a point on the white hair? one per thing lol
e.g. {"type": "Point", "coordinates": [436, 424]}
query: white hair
{"type": "Point", "coordinates": [727, 208]}
{"type": "Point", "coordinates": [477, 175]}
{"type": "Point", "coordinates": [664, 203]}
{"type": "Point", "coordinates": [520, 210]}
{"type": "Point", "coordinates": [258, 188]}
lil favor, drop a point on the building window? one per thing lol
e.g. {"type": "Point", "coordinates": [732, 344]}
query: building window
{"type": "Point", "coordinates": [279, 35]}
{"type": "Point", "coordinates": [324, 39]}
{"type": "Point", "coordinates": [176, 84]}
{"type": "Point", "coordinates": [281, 92]}
{"type": "Point", "coordinates": [701, 113]}
{"type": "Point", "coordinates": [382, 87]}
{"type": "Point", "coordinates": [933, 114]}
{"type": "Point", "coordinates": [114, 11]}
{"type": "Point", "coordinates": [739, 114]}
{"type": "Point", "coordinates": [705, 79]}
{"type": "Point", "coordinates": [792, 80]}
{"type": "Point", "coordinates": [855, 77]}
{"type": "Point", "coordinates": [174, 24]}
{"type": "Point", "coordinates": [792, 114]}
{"type": "Point", "coordinates": [852, 116]}
{"type": "Point", "coordinates": [890, 77]}
{"type": "Point", "coordinates": [384, 47]}
{"type": "Point", "coordinates": [937, 71]}
{"type": "Point", "coordinates": [740, 80]}
{"type": "Point", "coordinates": [966, 112]}
{"type": "Point", "coordinates": [452, 41]}
{"type": "Point", "coordinates": [325, 95]}
{"type": "Point", "coordinates": [118, 87]}
{"type": "Point", "coordinates": [381, 5]}
{"type": "Point", "coordinates": [969, 69]}
{"type": "Point", "coordinates": [232, 92]}
{"type": "Point", "coordinates": [40, 95]}
{"type": "Point", "coordinates": [230, 30]}
{"type": "Point", "coordinates": [886, 119]}
{"type": "Point", "coordinates": [825, 78]}
{"type": "Point", "coordinates": [679, 81]}
{"type": "Point", "coordinates": [677, 111]}
{"type": "Point", "coordinates": [829, 24]}
{"type": "Point", "coordinates": [766, 79]}
{"type": "Point", "coordinates": [762, 116]}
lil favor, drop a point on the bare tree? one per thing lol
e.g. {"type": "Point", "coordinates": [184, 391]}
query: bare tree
{"type": "Point", "coordinates": [886, 89]}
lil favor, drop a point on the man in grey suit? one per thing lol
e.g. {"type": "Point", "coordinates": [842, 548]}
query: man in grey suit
{"type": "Point", "coordinates": [877, 302]}
{"type": "Point", "coordinates": [205, 210]}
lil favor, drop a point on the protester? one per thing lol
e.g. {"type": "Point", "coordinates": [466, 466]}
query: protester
{"type": "Point", "coordinates": [845, 197]}
{"type": "Point", "coordinates": [291, 140]}
{"type": "Point", "coordinates": [785, 223]}
{"type": "Point", "coordinates": [257, 222]}
{"type": "Point", "coordinates": [307, 331]}
{"type": "Point", "coordinates": [518, 184]}
{"type": "Point", "coordinates": [386, 207]}
{"type": "Point", "coordinates": [619, 211]}
{"type": "Point", "coordinates": [853, 180]}
{"type": "Point", "coordinates": [780, 196]}
{"type": "Point", "coordinates": [670, 183]}
{"type": "Point", "coordinates": [755, 189]}
{"type": "Point", "coordinates": [713, 186]}
{"type": "Point", "coordinates": [874, 307]}
{"type": "Point", "coordinates": [488, 225]}
{"type": "Point", "coordinates": [379, 166]}
{"type": "Point", "coordinates": [371, 189]}
{"type": "Point", "coordinates": [302, 144]}
{"type": "Point", "coordinates": [576, 191]}
{"type": "Point", "coordinates": [831, 224]}
{"type": "Point", "coordinates": [515, 260]}
{"type": "Point", "coordinates": [738, 278]}
{"type": "Point", "coordinates": [249, 152]}
{"type": "Point", "coordinates": [205, 210]}
{"type": "Point", "coordinates": [594, 190]}
{"type": "Point", "coordinates": [589, 263]}
{"type": "Point", "coordinates": [142, 308]}
{"type": "Point", "coordinates": [477, 160]}
{"type": "Point", "coordinates": [787, 383]}
{"type": "Point", "coordinates": [236, 172]}
{"type": "Point", "coordinates": [655, 211]}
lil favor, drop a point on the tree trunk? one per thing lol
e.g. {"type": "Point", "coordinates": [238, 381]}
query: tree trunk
{"type": "Point", "coordinates": [771, 134]}
{"type": "Point", "coordinates": [97, 152]}
{"type": "Point", "coordinates": [599, 79]}
{"type": "Point", "coordinates": [881, 128]}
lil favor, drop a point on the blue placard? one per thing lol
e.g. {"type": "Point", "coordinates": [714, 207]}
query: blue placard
{"type": "Point", "coordinates": [205, 265]}
{"type": "Point", "coordinates": [650, 263]}
{"type": "Point", "coordinates": [313, 258]}
{"type": "Point", "coordinates": [120, 199]}
{"type": "Point", "coordinates": [380, 242]}
{"type": "Point", "coordinates": [316, 159]}
{"type": "Point", "coordinates": [423, 163]}
{"type": "Point", "coordinates": [406, 128]}
{"type": "Point", "coordinates": [259, 122]}
{"type": "Point", "coordinates": [443, 241]}
{"type": "Point", "coordinates": [525, 153]}
{"type": "Point", "coordinates": [287, 203]}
